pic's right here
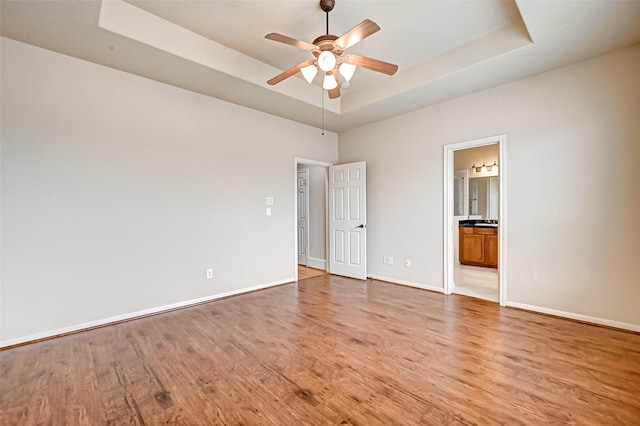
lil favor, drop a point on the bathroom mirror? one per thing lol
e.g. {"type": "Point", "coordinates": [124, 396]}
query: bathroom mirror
{"type": "Point", "coordinates": [484, 197]}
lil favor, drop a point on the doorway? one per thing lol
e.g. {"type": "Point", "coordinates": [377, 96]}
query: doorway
{"type": "Point", "coordinates": [311, 208]}
{"type": "Point", "coordinates": [303, 215]}
{"type": "Point", "coordinates": [340, 233]}
{"type": "Point", "coordinates": [475, 201]}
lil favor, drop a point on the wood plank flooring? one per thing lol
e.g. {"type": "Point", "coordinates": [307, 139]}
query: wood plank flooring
{"type": "Point", "coordinates": [329, 350]}
{"type": "Point", "coordinates": [305, 272]}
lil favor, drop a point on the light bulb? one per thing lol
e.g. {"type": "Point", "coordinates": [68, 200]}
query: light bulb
{"type": "Point", "coordinates": [309, 72]}
{"type": "Point", "coordinates": [329, 82]}
{"type": "Point", "coordinates": [326, 61]}
{"type": "Point", "coordinates": [347, 70]}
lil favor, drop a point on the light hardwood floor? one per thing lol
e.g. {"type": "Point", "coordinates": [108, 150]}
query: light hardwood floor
{"type": "Point", "coordinates": [305, 272]}
{"type": "Point", "coordinates": [329, 350]}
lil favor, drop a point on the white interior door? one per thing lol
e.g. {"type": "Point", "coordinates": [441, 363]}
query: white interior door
{"type": "Point", "coordinates": [303, 217]}
{"type": "Point", "coordinates": [348, 220]}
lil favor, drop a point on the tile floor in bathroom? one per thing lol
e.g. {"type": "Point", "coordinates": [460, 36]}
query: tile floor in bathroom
{"type": "Point", "coordinates": [476, 282]}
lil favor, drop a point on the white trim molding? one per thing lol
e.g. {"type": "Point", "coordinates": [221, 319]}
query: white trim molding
{"type": "Point", "coordinates": [135, 315]}
{"type": "Point", "coordinates": [408, 283]}
{"type": "Point", "coordinates": [448, 173]}
{"type": "Point", "coordinates": [314, 262]}
{"type": "Point", "coordinates": [574, 316]}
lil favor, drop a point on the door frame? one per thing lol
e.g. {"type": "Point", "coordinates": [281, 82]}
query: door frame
{"type": "Point", "coordinates": [307, 162]}
{"type": "Point", "coordinates": [449, 170]}
{"type": "Point", "coordinates": [306, 219]}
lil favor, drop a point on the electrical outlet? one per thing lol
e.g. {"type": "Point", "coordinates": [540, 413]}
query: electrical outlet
{"type": "Point", "coordinates": [390, 260]}
{"type": "Point", "coordinates": [407, 263]}
{"type": "Point", "coordinates": [385, 259]}
{"type": "Point", "coordinates": [209, 274]}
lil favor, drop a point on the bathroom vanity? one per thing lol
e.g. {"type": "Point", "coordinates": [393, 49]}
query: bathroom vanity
{"type": "Point", "coordinates": [478, 244]}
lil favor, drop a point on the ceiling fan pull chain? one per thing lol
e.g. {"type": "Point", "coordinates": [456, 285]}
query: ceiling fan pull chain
{"type": "Point", "coordinates": [322, 103]}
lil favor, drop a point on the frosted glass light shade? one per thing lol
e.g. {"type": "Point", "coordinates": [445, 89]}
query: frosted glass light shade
{"type": "Point", "coordinates": [347, 70]}
{"type": "Point", "coordinates": [329, 82]}
{"type": "Point", "coordinates": [309, 72]}
{"type": "Point", "coordinates": [326, 61]}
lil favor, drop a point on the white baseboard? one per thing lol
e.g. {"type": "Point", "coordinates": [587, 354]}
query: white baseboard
{"type": "Point", "coordinates": [579, 317]}
{"type": "Point", "coordinates": [408, 283]}
{"type": "Point", "coordinates": [138, 314]}
{"type": "Point", "coordinates": [314, 262]}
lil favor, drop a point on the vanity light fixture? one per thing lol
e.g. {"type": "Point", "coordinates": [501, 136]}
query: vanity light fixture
{"type": "Point", "coordinates": [484, 168]}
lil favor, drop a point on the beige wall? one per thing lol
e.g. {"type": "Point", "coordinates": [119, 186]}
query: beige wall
{"type": "Point", "coordinates": [573, 152]}
{"type": "Point", "coordinates": [119, 192]}
{"type": "Point", "coordinates": [465, 158]}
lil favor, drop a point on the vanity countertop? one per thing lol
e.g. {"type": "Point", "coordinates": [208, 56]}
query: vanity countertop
{"type": "Point", "coordinates": [478, 224]}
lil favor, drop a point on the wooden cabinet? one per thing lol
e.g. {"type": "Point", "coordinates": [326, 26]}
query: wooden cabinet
{"type": "Point", "coordinates": [479, 246]}
{"type": "Point", "coordinates": [491, 249]}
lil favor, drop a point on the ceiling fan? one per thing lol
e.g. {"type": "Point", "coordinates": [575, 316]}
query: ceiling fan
{"type": "Point", "coordinates": [329, 55]}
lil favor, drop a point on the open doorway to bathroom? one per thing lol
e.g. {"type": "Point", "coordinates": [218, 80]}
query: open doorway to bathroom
{"type": "Point", "coordinates": [474, 252]}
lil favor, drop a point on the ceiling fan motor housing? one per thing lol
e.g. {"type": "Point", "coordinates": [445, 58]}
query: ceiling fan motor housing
{"type": "Point", "coordinates": [326, 42]}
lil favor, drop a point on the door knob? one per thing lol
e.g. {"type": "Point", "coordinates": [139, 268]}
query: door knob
{"type": "Point", "coordinates": [361, 226]}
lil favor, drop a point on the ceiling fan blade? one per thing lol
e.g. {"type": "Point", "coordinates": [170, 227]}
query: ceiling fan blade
{"type": "Point", "coordinates": [371, 64]}
{"type": "Point", "coordinates": [357, 33]}
{"type": "Point", "coordinates": [291, 41]}
{"type": "Point", "coordinates": [335, 93]}
{"type": "Point", "coordinates": [291, 71]}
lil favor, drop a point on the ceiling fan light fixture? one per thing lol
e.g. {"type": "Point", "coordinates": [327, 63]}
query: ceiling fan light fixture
{"type": "Point", "coordinates": [326, 61]}
{"type": "Point", "coordinates": [330, 82]}
{"type": "Point", "coordinates": [328, 51]}
{"type": "Point", "coordinates": [309, 72]}
{"type": "Point", "coordinates": [347, 70]}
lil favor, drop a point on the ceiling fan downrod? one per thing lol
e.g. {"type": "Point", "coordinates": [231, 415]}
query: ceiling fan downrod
{"type": "Point", "coordinates": [327, 6]}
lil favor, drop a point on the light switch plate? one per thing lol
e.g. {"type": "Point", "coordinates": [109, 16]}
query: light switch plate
{"type": "Point", "coordinates": [269, 201]}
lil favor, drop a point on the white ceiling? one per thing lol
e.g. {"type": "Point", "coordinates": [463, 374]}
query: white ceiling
{"type": "Point", "coordinates": [444, 49]}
